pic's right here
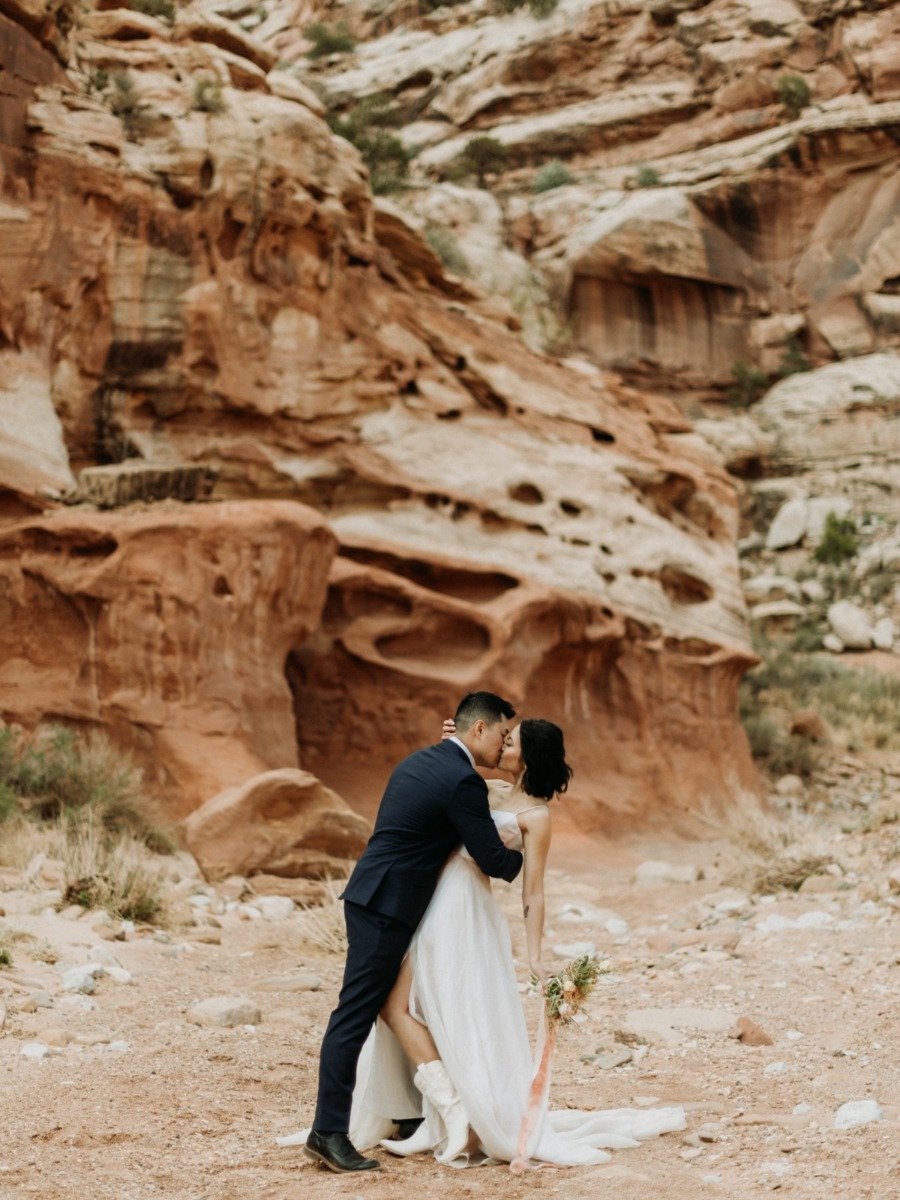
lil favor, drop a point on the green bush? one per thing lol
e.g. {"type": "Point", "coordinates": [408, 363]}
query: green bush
{"type": "Point", "coordinates": [484, 156]}
{"type": "Point", "coordinates": [56, 774]}
{"type": "Point", "coordinates": [208, 96]}
{"type": "Point", "coordinates": [859, 707]}
{"type": "Point", "coordinates": [552, 175]}
{"type": "Point", "coordinates": [446, 247]}
{"type": "Point", "coordinates": [97, 81]}
{"type": "Point", "coordinates": [794, 93]}
{"type": "Point", "coordinates": [538, 8]}
{"type": "Point", "coordinates": [164, 9]}
{"type": "Point", "coordinates": [793, 359]}
{"type": "Point", "coordinates": [124, 103]}
{"type": "Point", "coordinates": [329, 39]}
{"type": "Point", "coordinates": [647, 177]}
{"type": "Point", "coordinates": [368, 127]}
{"type": "Point", "coordinates": [838, 541]}
{"type": "Point", "coordinates": [750, 384]}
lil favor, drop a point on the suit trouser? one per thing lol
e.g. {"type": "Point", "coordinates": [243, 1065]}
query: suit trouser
{"type": "Point", "coordinates": [376, 945]}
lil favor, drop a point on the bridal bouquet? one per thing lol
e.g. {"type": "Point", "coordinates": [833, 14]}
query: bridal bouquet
{"type": "Point", "coordinates": [567, 991]}
{"type": "Point", "coordinates": [564, 996]}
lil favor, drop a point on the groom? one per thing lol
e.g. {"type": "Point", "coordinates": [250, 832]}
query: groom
{"type": "Point", "coordinates": [434, 800]}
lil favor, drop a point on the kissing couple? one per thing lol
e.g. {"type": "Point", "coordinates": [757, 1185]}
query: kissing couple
{"type": "Point", "coordinates": [427, 1050]}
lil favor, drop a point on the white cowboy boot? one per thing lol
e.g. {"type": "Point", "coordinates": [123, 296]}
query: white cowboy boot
{"type": "Point", "coordinates": [418, 1143]}
{"type": "Point", "coordinates": [434, 1083]}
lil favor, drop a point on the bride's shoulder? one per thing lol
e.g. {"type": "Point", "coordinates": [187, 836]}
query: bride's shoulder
{"type": "Point", "coordinates": [498, 791]}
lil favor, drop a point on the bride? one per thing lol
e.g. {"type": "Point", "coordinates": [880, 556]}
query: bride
{"type": "Point", "coordinates": [455, 1010]}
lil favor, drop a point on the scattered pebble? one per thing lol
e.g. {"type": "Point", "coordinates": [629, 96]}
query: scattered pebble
{"type": "Point", "coordinates": [224, 1010]}
{"type": "Point", "coordinates": [857, 1112]}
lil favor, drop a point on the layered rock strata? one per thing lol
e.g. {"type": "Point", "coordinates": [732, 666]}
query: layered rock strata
{"type": "Point", "coordinates": [190, 284]}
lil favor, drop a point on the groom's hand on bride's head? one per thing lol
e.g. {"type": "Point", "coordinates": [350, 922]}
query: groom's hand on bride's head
{"type": "Point", "coordinates": [448, 729]}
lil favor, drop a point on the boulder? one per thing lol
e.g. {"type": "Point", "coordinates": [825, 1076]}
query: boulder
{"type": "Point", "coordinates": [283, 822]}
{"type": "Point", "coordinates": [771, 587]}
{"type": "Point", "coordinates": [775, 615]}
{"type": "Point", "coordinates": [884, 633]}
{"type": "Point", "coordinates": [789, 525]}
{"type": "Point", "coordinates": [851, 625]}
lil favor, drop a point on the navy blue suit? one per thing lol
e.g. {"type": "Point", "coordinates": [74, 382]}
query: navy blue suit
{"type": "Point", "coordinates": [434, 800]}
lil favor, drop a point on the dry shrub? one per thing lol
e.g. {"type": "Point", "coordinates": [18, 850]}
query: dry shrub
{"type": "Point", "coordinates": [323, 926]}
{"type": "Point", "coordinates": [766, 846]}
{"type": "Point", "coordinates": [21, 840]}
{"type": "Point", "coordinates": [114, 872]}
{"type": "Point", "coordinates": [788, 874]}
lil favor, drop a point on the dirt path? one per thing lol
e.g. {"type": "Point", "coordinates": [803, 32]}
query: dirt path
{"type": "Point", "coordinates": [141, 1103]}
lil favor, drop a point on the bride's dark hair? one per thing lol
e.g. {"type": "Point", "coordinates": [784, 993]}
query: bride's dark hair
{"type": "Point", "coordinates": [544, 753]}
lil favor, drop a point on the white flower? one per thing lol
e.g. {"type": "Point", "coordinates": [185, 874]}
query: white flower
{"type": "Point", "coordinates": [569, 987]}
{"type": "Point", "coordinates": [564, 1009]}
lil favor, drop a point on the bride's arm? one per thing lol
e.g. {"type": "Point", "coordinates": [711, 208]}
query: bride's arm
{"type": "Point", "coordinates": [535, 827]}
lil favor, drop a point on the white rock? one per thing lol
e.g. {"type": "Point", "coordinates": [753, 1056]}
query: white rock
{"type": "Point", "coordinates": [777, 612]}
{"type": "Point", "coordinates": [817, 919]}
{"type": "Point", "coordinates": [575, 950]}
{"type": "Point", "coordinates": [35, 1050]}
{"type": "Point", "coordinates": [224, 1010]}
{"type": "Point", "coordinates": [78, 1002]}
{"type": "Point", "coordinates": [789, 525]}
{"type": "Point", "coordinates": [833, 643]}
{"type": "Point", "coordinates": [274, 908]}
{"type": "Point", "coordinates": [880, 556]}
{"type": "Point", "coordinates": [775, 924]}
{"type": "Point", "coordinates": [800, 1110]}
{"type": "Point", "coordinates": [771, 587]}
{"type": "Point", "coordinates": [857, 1112]}
{"type": "Point", "coordinates": [883, 634]}
{"type": "Point", "coordinates": [789, 785]}
{"type": "Point", "coordinates": [583, 913]}
{"type": "Point", "coordinates": [666, 1024]}
{"type": "Point", "coordinates": [120, 975]}
{"type": "Point", "coordinates": [303, 982]}
{"type": "Point", "coordinates": [655, 871]}
{"type": "Point", "coordinates": [83, 979]}
{"type": "Point", "coordinates": [812, 590]}
{"type": "Point", "coordinates": [850, 624]}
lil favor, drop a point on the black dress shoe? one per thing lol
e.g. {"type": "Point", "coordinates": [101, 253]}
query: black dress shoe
{"type": "Point", "coordinates": [337, 1152]}
{"type": "Point", "coordinates": [407, 1127]}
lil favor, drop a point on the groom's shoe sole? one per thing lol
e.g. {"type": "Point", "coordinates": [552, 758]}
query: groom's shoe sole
{"type": "Point", "coordinates": [322, 1160]}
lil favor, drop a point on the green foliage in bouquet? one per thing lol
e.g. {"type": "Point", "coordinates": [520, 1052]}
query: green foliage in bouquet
{"type": "Point", "coordinates": [567, 991]}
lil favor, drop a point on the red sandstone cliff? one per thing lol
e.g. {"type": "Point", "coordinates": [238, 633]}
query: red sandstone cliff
{"type": "Point", "coordinates": [192, 289]}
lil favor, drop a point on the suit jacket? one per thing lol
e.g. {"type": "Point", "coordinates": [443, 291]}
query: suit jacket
{"type": "Point", "coordinates": [434, 800]}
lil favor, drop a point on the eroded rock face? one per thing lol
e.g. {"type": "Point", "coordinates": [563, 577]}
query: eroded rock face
{"type": "Point", "coordinates": [283, 823]}
{"type": "Point", "coordinates": [169, 627]}
{"type": "Point", "coordinates": [730, 162]}
{"type": "Point", "coordinates": [225, 302]}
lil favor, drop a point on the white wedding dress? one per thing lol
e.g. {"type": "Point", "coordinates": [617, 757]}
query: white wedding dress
{"type": "Point", "coordinates": [465, 991]}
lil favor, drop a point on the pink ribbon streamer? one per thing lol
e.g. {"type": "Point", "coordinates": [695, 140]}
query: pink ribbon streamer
{"type": "Point", "coordinates": [537, 1094]}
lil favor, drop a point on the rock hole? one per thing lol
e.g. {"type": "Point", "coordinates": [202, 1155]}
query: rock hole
{"type": "Point", "coordinates": [526, 493]}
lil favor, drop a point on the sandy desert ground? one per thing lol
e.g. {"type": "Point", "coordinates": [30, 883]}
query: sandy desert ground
{"type": "Point", "coordinates": [118, 1096]}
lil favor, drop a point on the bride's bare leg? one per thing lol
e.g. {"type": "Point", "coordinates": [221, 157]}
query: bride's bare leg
{"type": "Point", "coordinates": [412, 1035]}
{"type": "Point", "coordinates": [431, 1077]}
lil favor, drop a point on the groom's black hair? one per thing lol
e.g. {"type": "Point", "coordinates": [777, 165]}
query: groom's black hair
{"type": "Point", "coordinates": [547, 773]}
{"type": "Point", "coordinates": [482, 706]}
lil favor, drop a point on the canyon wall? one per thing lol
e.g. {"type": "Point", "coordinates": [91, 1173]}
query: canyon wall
{"type": "Point", "coordinates": [400, 500]}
